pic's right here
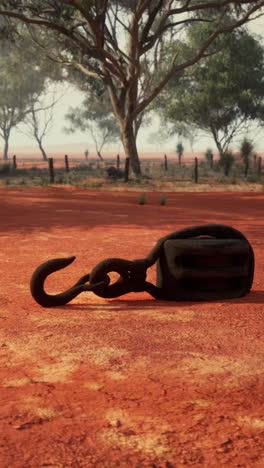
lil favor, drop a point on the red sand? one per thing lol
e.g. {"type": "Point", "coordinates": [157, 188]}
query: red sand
{"type": "Point", "coordinates": [130, 382]}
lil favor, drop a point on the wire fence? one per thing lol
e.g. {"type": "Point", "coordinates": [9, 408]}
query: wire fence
{"type": "Point", "coordinates": [72, 170]}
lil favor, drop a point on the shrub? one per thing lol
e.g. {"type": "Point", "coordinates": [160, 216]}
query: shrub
{"type": "Point", "coordinates": [179, 151]}
{"type": "Point", "coordinates": [209, 156]}
{"type": "Point", "coordinates": [227, 161]}
{"type": "Point", "coordinates": [246, 149]}
{"type": "Point", "coordinates": [44, 181]}
{"type": "Point", "coordinates": [115, 173]}
{"type": "Point", "coordinates": [142, 199]}
{"type": "Point", "coordinates": [5, 169]}
{"type": "Point", "coordinates": [163, 200]}
{"type": "Point", "coordinates": [220, 179]}
{"type": "Point", "coordinates": [253, 178]}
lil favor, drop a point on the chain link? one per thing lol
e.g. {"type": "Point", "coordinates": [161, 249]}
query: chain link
{"type": "Point", "coordinates": [132, 274]}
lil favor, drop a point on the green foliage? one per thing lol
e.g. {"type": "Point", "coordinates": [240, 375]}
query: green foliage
{"type": "Point", "coordinates": [163, 200]}
{"type": "Point", "coordinates": [179, 151]}
{"type": "Point", "coordinates": [23, 78]}
{"type": "Point", "coordinates": [131, 60]}
{"type": "Point", "coordinates": [142, 199]}
{"type": "Point", "coordinates": [96, 119]}
{"type": "Point", "coordinates": [63, 179]}
{"type": "Point", "coordinates": [44, 181]}
{"type": "Point", "coordinates": [209, 155]}
{"type": "Point", "coordinates": [220, 94]}
{"type": "Point", "coordinates": [226, 161]}
{"type": "Point", "coordinates": [253, 178]}
{"type": "Point", "coordinates": [175, 179]}
{"type": "Point", "coordinates": [246, 149]}
{"type": "Point", "coordinates": [5, 169]}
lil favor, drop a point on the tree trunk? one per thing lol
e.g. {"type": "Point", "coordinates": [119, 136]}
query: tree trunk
{"type": "Point", "coordinates": [6, 150]}
{"type": "Point", "coordinates": [219, 146]}
{"type": "Point", "coordinates": [130, 146]}
{"type": "Point", "coordinates": [43, 152]}
{"type": "Point", "coordinates": [99, 155]}
{"type": "Point", "coordinates": [6, 146]}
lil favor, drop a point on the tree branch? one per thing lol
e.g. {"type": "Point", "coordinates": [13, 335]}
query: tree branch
{"type": "Point", "coordinates": [175, 68]}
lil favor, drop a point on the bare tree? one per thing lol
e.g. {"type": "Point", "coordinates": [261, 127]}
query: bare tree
{"type": "Point", "coordinates": [18, 83]}
{"type": "Point", "coordinates": [111, 40]}
{"type": "Point", "coordinates": [39, 127]}
{"type": "Point", "coordinates": [93, 118]}
{"type": "Point", "coordinates": [39, 119]}
{"type": "Point", "coordinates": [106, 135]}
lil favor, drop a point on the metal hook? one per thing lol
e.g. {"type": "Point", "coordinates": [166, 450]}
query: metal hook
{"type": "Point", "coordinates": [53, 300]}
{"type": "Point", "coordinates": [174, 281]}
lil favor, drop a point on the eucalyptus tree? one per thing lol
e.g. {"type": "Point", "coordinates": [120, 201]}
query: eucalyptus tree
{"type": "Point", "coordinates": [38, 120]}
{"type": "Point", "coordinates": [246, 151]}
{"type": "Point", "coordinates": [222, 95]}
{"type": "Point", "coordinates": [24, 78]}
{"type": "Point", "coordinates": [95, 119]}
{"type": "Point", "coordinates": [18, 83]}
{"type": "Point", "coordinates": [112, 41]}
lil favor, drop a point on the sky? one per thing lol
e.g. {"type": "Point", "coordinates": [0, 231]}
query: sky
{"type": "Point", "coordinates": [147, 139]}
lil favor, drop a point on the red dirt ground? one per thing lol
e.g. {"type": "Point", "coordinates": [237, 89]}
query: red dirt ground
{"type": "Point", "coordinates": [128, 382]}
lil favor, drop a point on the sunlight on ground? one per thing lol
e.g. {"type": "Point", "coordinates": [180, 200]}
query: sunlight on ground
{"type": "Point", "coordinates": [57, 372]}
{"type": "Point", "coordinates": [254, 422]}
{"type": "Point", "coordinates": [93, 385]}
{"type": "Point", "coordinates": [135, 432]}
{"type": "Point", "coordinates": [15, 382]}
{"type": "Point", "coordinates": [33, 404]}
{"type": "Point", "coordinates": [115, 375]}
{"type": "Point", "coordinates": [177, 315]}
{"type": "Point", "coordinates": [203, 364]}
{"type": "Point", "coordinates": [152, 442]}
{"type": "Point", "coordinates": [56, 320]}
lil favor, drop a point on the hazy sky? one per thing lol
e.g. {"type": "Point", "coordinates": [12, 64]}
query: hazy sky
{"type": "Point", "coordinates": [146, 141]}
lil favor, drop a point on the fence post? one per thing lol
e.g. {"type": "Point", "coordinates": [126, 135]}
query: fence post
{"type": "Point", "coordinates": [117, 161]}
{"type": "Point", "coordinates": [255, 161]}
{"type": "Point", "coordinates": [196, 170]}
{"type": "Point", "coordinates": [212, 161]}
{"type": "Point", "coordinates": [165, 162]}
{"type": "Point", "coordinates": [67, 163]}
{"type": "Point", "coordinates": [14, 162]}
{"type": "Point", "coordinates": [259, 165]}
{"type": "Point", "coordinates": [126, 170]}
{"type": "Point", "coordinates": [51, 170]}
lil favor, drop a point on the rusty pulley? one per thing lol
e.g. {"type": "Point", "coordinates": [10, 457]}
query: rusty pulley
{"type": "Point", "coordinates": [199, 263]}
